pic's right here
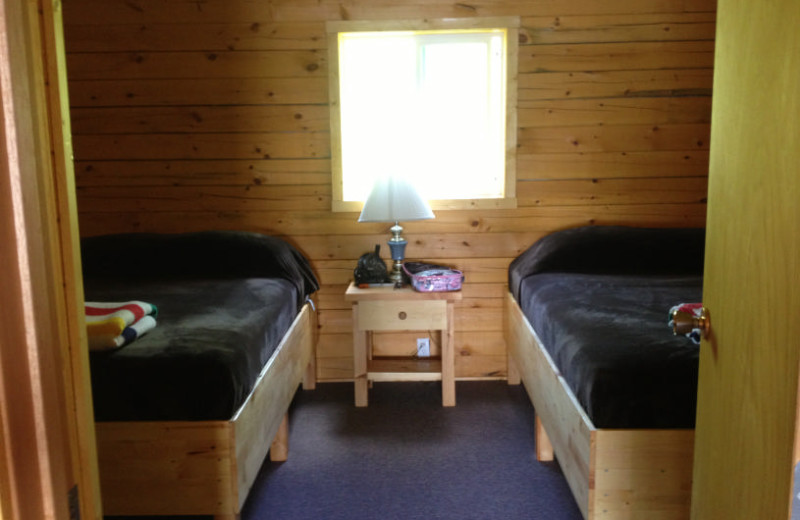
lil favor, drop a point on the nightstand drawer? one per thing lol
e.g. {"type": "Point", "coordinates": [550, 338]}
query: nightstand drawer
{"type": "Point", "coordinates": [402, 315]}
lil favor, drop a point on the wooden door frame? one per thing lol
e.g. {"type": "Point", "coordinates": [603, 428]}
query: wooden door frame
{"type": "Point", "coordinates": [47, 451]}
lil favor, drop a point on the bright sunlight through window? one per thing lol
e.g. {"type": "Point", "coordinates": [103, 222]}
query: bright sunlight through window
{"type": "Point", "coordinates": [427, 105]}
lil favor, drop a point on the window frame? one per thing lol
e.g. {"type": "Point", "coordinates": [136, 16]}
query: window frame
{"type": "Point", "coordinates": [511, 24]}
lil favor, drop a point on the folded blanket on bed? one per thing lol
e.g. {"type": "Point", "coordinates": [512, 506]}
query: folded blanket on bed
{"type": "Point", "coordinates": [114, 324]}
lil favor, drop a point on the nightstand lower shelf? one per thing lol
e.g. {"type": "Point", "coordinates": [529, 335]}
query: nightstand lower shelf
{"type": "Point", "coordinates": [404, 369]}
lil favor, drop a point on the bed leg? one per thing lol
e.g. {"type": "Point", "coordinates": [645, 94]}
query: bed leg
{"type": "Point", "coordinates": [310, 376]}
{"type": "Point", "coordinates": [544, 450]}
{"type": "Point", "coordinates": [513, 373]}
{"type": "Point", "coordinates": [279, 450]}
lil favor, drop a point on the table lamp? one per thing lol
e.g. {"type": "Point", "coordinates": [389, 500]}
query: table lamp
{"type": "Point", "coordinates": [393, 199]}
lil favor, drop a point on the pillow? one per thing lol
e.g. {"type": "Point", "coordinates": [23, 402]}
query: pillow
{"type": "Point", "coordinates": [612, 250]}
{"type": "Point", "coordinates": [204, 254]}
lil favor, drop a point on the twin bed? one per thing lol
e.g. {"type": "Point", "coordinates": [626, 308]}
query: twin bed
{"type": "Point", "coordinates": [186, 414]}
{"type": "Point", "coordinates": [614, 391]}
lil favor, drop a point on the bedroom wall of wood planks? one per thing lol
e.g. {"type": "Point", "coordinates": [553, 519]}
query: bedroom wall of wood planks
{"type": "Point", "coordinates": [212, 114]}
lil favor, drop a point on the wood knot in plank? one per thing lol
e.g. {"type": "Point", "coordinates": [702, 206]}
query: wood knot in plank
{"type": "Point", "coordinates": [134, 6]}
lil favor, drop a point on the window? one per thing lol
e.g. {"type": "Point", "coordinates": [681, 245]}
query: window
{"type": "Point", "coordinates": [431, 101]}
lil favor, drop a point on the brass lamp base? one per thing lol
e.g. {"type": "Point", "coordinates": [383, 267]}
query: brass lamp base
{"type": "Point", "coordinates": [397, 245]}
{"type": "Point", "coordinates": [396, 274]}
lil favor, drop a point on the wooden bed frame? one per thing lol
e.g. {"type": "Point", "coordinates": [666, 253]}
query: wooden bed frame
{"type": "Point", "coordinates": [207, 467]}
{"type": "Point", "coordinates": [613, 474]}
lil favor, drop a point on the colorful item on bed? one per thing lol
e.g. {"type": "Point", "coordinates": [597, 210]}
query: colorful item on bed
{"type": "Point", "coordinates": [111, 325]}
{"type": "Point", "coordinates": [693, 309]}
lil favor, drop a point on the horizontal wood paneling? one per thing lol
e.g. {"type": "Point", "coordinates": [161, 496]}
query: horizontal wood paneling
{"type": "Point", "coordinates": [615, 84]}
{"type": "Point", "coordinates": [598, 165]}
{"type": "Point", "coordinates": [214, 198]}
{"type": "Point", "coordinates": [214, 115]}
{"type": "Point", "coordinates": [291, 224]}
{"type": "Point", "coordinates": [616, 56]}
{"type": "Point", "coordinates": [97, 12]}
{"type": "Point", "coordinates": [202, 119]}
{"type": "Point", "coordinates": [203, 64]}
{"type": "Point", "coordinates": [197, 91]}
{"type": "Point", "coordinates": [298, 197]}
{"type": "Point", "coordinates": [314, 118]}
{"type": "Point", "coordinates": [602, 112]}
{"type": "Point", "coordinates": [317, 171]}
{"type": "Point", "coordinates": [612, 191]}
{"type": "Point", "coordinates": [618, 27]}
{"type": "Point", "coordinates": [622, 138]}
{"type": "Point", "coordinates": [259, 35]}
{"type": "Point", "coordinates": [234, 172]}
{"type": "Point", "coordinates": [251, 35]}
{"type": "Point", "coordinates": [201, 146]}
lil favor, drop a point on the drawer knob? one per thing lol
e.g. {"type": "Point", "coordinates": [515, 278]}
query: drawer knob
{"type": "Point", "coordinates": [402, 315]}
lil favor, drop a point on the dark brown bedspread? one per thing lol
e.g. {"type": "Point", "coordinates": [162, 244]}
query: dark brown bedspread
{"type": "Point", "coordinates": [598, 299]}
{"type": "Point", "coordinates": [225, 300]}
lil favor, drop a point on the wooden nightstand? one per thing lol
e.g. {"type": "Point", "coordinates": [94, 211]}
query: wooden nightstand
{"type": "Point", "coordinates": [390, 309]}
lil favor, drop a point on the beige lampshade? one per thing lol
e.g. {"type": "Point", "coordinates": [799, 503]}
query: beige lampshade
{"type": "Point", "coordinates": [394, 199]}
